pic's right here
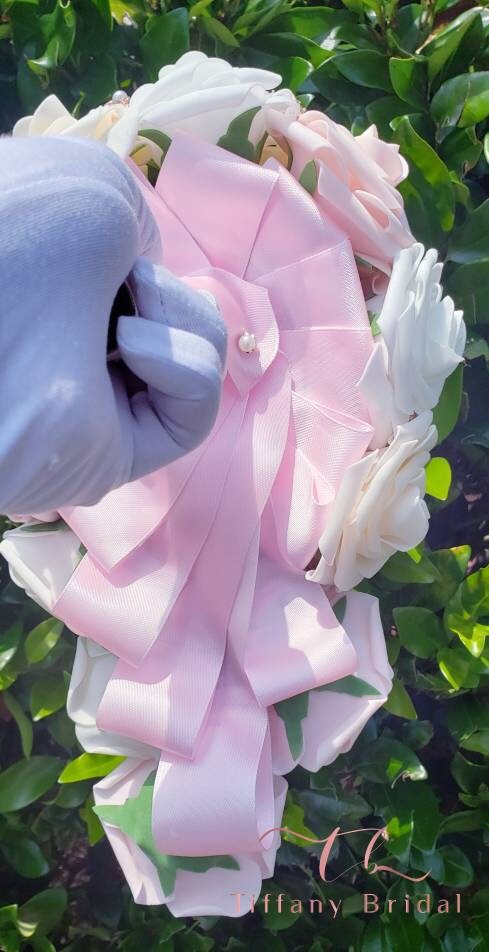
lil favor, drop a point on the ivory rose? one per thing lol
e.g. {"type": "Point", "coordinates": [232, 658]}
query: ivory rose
{"type": "Point", "coordinates": [423, 333]}
{"type": "Point", "coordinates": [356, 181]}
{"type": "Point", "coordinates": [422, 341]}
{"type": "Point", "coordinates": [379, 508]}
{"type": "Point", "coordinates": [197, 94]}
{"type": "Point", "coordinates": [92, 669]}
{"type": "Point", "coordinates": [209, 893]}
{"type": "Point", "coordinates": [41, 559]}
{"type": "Point", "coordinates": [334, 719]}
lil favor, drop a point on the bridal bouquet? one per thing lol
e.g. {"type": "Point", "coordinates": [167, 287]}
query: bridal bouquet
{"type": "Point", "coordinates": [221, 641]}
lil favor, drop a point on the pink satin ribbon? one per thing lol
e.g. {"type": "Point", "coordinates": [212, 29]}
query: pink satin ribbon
{"type": "Point", "coordinates": [194, 576]}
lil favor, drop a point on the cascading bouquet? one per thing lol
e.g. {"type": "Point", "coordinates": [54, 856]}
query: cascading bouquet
{"type": "Point", "coordinates": [220, 640]}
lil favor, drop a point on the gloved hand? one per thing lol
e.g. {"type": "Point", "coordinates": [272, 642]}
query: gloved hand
{"type": "Point", "coordinates": [73, 227]}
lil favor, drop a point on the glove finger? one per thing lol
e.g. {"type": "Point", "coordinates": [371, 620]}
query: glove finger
{"type": "Point", "coordinates": [165, 299]}
{"type": "Point", "coordinates": [183, 377]}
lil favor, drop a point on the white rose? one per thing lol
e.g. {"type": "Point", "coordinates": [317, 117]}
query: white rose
{"type": "Point", "coordinates": [423, 333]}
{"type": "Point", "coordinates": [198, 94]}
{"type": "Point", "coordinates": [379, 509]}
{"type": "Point", "coordinates": [41, 559]}
{"type": "Point", "coordinates": [92, 668]}
{"type": "Point", "coordinates": [51, 118]}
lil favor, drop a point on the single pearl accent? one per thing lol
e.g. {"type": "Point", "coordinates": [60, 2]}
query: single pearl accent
{"type": "Point", "coordinates": [247, 342]}
{"type": "Point", "coordinates": [120, 97]}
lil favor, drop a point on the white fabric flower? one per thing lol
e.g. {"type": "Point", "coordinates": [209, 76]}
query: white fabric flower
{"type": "Point", "coordinates": [92, 669]}
{"type": "Point", "coordinates": [41, 561]}
{"type": "Point", "coordinates": [198, 94]}
{"type": "Point", "coordinates": [422, 341]}
{"type": "Point", "coordinates": [379, 509]}
{"type": "Point", "coordinates": [51, 118]}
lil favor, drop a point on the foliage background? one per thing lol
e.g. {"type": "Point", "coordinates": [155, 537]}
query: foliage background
{"type": "Point", "coordinates": [418, 70]}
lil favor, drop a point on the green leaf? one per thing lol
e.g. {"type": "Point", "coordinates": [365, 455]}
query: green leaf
{"type": "Point", "coordinates": [276, 921]}
{"type": "Point", "coordinates": [458, 871]}
{"type": "Point", "coordinates": [25, 856]}
{"type": "Point", "coordinates": [23, 723]}
{"type": "Point", "coordinates": [43, 912]}
{"type": "Point", "coordinates": [26, 781]}
{"type": "Point", "coordinates": [339, 609]}
{"type": "Point", "coordinates": [9, 643]}
{"type": "Point", "coordinates": [428, 174]}
{"type": "Point", "coordinates": [355, 687]}
{"type": "Point", "coordinates": [42, 639]}
{"type": "Point", "coordinates": [292, 712]}
{"type": "Point", "coordinates": [403, 934]}
{"type": "Point", "coordinates": [36, 527]}
{"type": "Point", "coordinates": [438, 477]}
{"type": "Point", "coordinates": [461, 151]}
{"type": "Point", "coordinates": [98, 81]}
{"type": "Point", "coordinates": [466, 715]}
{"type": "Point", "coordinates": [446, 412]}
{"type": "Point", "coordinates": [468, 775]}
{"type": "Point", "coordinates": [417, 734]}
{"type": "Point", "coordinates": [467, 611]}
{"type": "Point", "coordinates": [471, 242]}
{"type": "Point", "coordinates": [399, 702]}
{"type": "Point", "coordinates": [402, 568]}
{"type": "Point", "coordinates": [412, 816]}
{"type": "Point", "coordinates": [442, 48]}
{"type": "Point", "coordinates": [58, 32]}
{"type": "Point", "coordinates": [159, 138]}
{"type": "Point", "coordinates": [219, 31]}
{"type": "Point", "coordinates": [293, 819]}
{"type": "Point", "coordinates": [236, 138]}
{"type": "Point", "coordinates": [388, 760]}
{"type": "Point", "coordinates": [165, 40]}
{"type": "Point", "coordinates": [333, 85]}
{"type": "Point", "coordinates": [294, 70]}
{"type": "Point", "coordinates": [134, 818]}
{"type": "Point", "coordinates": [313, 22]}
{"type": "Point", "coordinates": [309, 177]}
{"type": "Point", "coordinates": [88, 766]}
{"type": "Point", "coordinates": [463, 101]}
{"type": "Point", "coordinates": [365, 67]}
{"type": "Point", "coordinates": [48, 694]}
{"type": "Point", "coordinates": [469, 286]}
{"type": "Point", "coordinates": [451, 565]}
{"type": "Point", "coordinates": [477, 742]}
{"type": "Point", "coordinates": [458, 668]}
{"type": "Point", "coordinates": [408, 78]}
{"type": "Point", "coordinates": [420, 631]}
{"type": "Point", "coordinates": [9, 935]}
{"type": "Point", "coordinates": [95, 830]}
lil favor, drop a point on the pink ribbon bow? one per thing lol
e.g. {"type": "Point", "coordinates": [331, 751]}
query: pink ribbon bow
{"type": "Point", "coordinates": [194, 576]}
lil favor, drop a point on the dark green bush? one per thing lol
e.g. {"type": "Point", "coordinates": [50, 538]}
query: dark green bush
{"type": "Point", "coordinates": [422, 766]}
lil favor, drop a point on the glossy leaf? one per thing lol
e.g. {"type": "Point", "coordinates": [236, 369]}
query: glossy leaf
{"type": "Point", "coordinates": [27, 780]}
{"type": "Point", "coordinates": [42, 639]}
{"type": "Point", "coordinates": [166, 38]}
{"type": "Point", "coordinates": [88, 766]}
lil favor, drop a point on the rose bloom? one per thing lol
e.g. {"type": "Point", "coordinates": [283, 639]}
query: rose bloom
{"type": "Point", "coordinates": [197, 94]}
{"type": "Point", "coordinates": [379, 508]}
{"type": "Point", "coordinates": [421, 343]}
{"type": "Point", "coordinates": [356, 183]}
{"type": "Point", "coordinates": [424, 334]}
{"type": "Point", "coordinates": [41, 559]}
{"type": "Point", "coordinates": [334, 719]}
{"type": "Point", "coordinates": [207, 893]}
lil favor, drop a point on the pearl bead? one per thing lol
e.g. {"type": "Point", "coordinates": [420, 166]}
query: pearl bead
{"type": "Point", "coordinates": [247, 342]}
{"type": "Point", "coordinates": [120, 97]}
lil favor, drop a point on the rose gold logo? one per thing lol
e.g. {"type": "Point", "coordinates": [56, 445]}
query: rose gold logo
{"type": "Point", "coordinates": [371, 902]}
{"type": "Point", "coordinates": [380, 834]}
